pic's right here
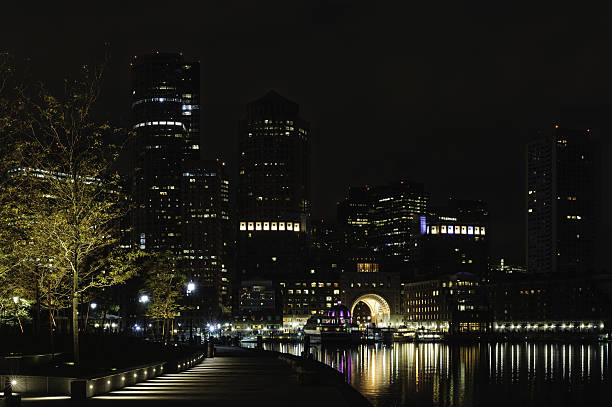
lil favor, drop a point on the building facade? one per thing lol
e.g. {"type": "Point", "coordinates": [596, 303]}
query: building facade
{"type": "Point", "coordinates": [181, 203]}
{"type": "Point", "coordinates": [452, 239]}
{"type": "Point", "coordinates": [563, 201]}
{"type": "Point", "coordinates": [273, 199]}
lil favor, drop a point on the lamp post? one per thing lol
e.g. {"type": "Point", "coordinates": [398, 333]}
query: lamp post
{"type": "Point", "coordinates": [144, 299]}
{"type": "Point", "coordinates": [190, 289]}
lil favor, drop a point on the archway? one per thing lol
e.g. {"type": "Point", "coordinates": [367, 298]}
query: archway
{"type": "Point", "coordinates": [379, 308]}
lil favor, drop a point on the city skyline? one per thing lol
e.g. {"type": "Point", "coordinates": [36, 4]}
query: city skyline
{"type": "Point", "coordinates": [416, 101]}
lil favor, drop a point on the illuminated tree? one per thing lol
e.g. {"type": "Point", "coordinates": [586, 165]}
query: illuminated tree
{"type": "Point", "coordinates": [76, 204]}
{"type": "Point", "coordinates": [164, 283]}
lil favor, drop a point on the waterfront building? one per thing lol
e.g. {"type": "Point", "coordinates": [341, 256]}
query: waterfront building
{"type": "Point", "coordinates": [453, 304]}
{"type": "Point", "coordinates": [563, 201]}
{"type": "Point", "coordinates": [563, 303]}
{"type": "Point", "coordinates": [259, 311]}
{"type": "Point", "coordinates": [303, 298]}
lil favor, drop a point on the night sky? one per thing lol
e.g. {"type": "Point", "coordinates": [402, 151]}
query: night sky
{"type": "Point", "coordinates": [445, 94]}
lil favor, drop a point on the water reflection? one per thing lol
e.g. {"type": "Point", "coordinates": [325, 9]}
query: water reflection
{"type": "Point", "coordinates": [503, 374]}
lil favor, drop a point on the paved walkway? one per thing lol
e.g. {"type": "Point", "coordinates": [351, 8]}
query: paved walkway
{"type": "Point", "coordinates": [234, 377]}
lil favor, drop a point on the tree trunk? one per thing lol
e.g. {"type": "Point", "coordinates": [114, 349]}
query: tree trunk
{"type": "Point", "coordinates": [37, 326]}
{"type": "Point", "coordinates": [75, 320]}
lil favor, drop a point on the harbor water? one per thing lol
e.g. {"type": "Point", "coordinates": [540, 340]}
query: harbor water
{"type": "Point", "coordinates": [481, 374]}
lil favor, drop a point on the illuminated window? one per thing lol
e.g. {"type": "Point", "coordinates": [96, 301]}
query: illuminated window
{"type": "Point", "coordinates": [434, 230]}
{"type": "Point", "coordinates": [470, 230]}
{"type": "Point", "coordinates": [476, 230]}
{"type": "Point", "coordinates": [296, 227]}
{"type": "Point", "coordinates": [443, 229]}
{"type": "Point", "coordinates": [464, 230]}
{"type": "Point", "coordinates": [273, 226]}
{"type": "Point", "coordinates": [257, 225]}
{"type": "Point", "coordinates": [289, 226]}
{"type": "Point", "coordinates": [243, 226]}
{"type": "Point", "coordinates": [450, 230]}
{"type": "Point", "coordinates": [482, 230]}
{"type": "Point", "coordinates": [457, 230]}
{"type": "Point", "coordinates": [281, 225]}
{"type": "Point", "coordinates": [266, 226]}
{"type": "Point", "coordinates": [251, 226]}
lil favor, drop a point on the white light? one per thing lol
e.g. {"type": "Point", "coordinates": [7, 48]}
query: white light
{"type": "Point", "coordinates": [93, 305]}
{"type": "Point", "coordinates": [135, 375]}
{"type": "Point", "coordinates": [143, 299]}
{"type": "Point", "coordinates": [191, 287]}
{"type": "Point", "coordinates": [15, 300]}
{"type": "Point", "coordinates": [91, 386]}
{"type": "Point", "coordinates": [13, 382]}
{"type": "Point", "coordinates": [108, 382]}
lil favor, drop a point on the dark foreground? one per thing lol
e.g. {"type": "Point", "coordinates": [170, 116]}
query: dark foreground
{"type": "Point", "coordinates": [235, 377]}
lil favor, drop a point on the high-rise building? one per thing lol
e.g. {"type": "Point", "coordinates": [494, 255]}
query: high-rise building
{"type": "Point", "coordinates": [453, 239]}
{"type": "Point", "coordinates": [395, 207]}
{"type": "Point", "coordinates": [181, 203]}
{"type": "Point", "coordinates": [563, 201]}
{"type": "Point", "coordinates": [355, 215]}
{"type": "Point", "coordinates": [273, 189]}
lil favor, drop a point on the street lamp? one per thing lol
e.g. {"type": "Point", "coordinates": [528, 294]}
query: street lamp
{"type": "Point", "coordinates": [93, 305]}
{"type": "Point", "coordinates": [144, 299]}
{"type": "Point", "coordinates": [191, 288]}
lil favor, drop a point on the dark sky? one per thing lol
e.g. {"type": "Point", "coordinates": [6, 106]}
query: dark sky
{"type": "Point", "coordinates": [445, 94]}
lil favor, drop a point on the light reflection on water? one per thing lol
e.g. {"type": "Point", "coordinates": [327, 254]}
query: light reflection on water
{"type": "Point", "coordinates": [501, 374]}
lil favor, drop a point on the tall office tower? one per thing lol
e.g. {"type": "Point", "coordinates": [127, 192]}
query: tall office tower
{"type": "Point", "coordinates": [453, 239]}
{"type": "Point", "coordinates": [273, 189]}
{"type": "Point", "coordinates": [178, 199]}
{"type": "Point", "coordinates": [563, 201]}
{"type": "Point", "coordinates": [395, 207]}
{"type": "Point", "coordinates": [354, 216]}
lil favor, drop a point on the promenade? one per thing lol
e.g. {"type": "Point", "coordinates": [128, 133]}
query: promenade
{"type": "Point", "coordinates": [234, 377]}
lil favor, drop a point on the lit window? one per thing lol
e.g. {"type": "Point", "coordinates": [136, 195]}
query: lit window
{"type": "Point", "coordinates": [251, 226]}
{"type": "Point", "coordinates": [243, 226]}
{"type": "Point", "coordinates": [273, 226]}
{"type": "Point", "coordinates": [281, 225]}
{"type": "Point", "coordinates": [266, 226]}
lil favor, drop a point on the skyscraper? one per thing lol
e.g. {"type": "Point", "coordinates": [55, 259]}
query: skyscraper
{"type": "Point", "coordinates": [165, 116]}
{"type": "Point", "coordinates": [181, 203]}
{"type": "Point", "coordinates": [395, 208]}
{"type": "Point", "coordinates": [273, 189]}
{"type": "Point", "coordinates": [563, 201]}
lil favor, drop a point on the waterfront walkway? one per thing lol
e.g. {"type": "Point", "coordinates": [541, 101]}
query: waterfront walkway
{"type": "Point", "coordinates": [234, 377]}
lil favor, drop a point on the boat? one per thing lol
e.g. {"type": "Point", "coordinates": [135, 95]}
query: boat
{"type": "Point", "coordinates": [335, 327]}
